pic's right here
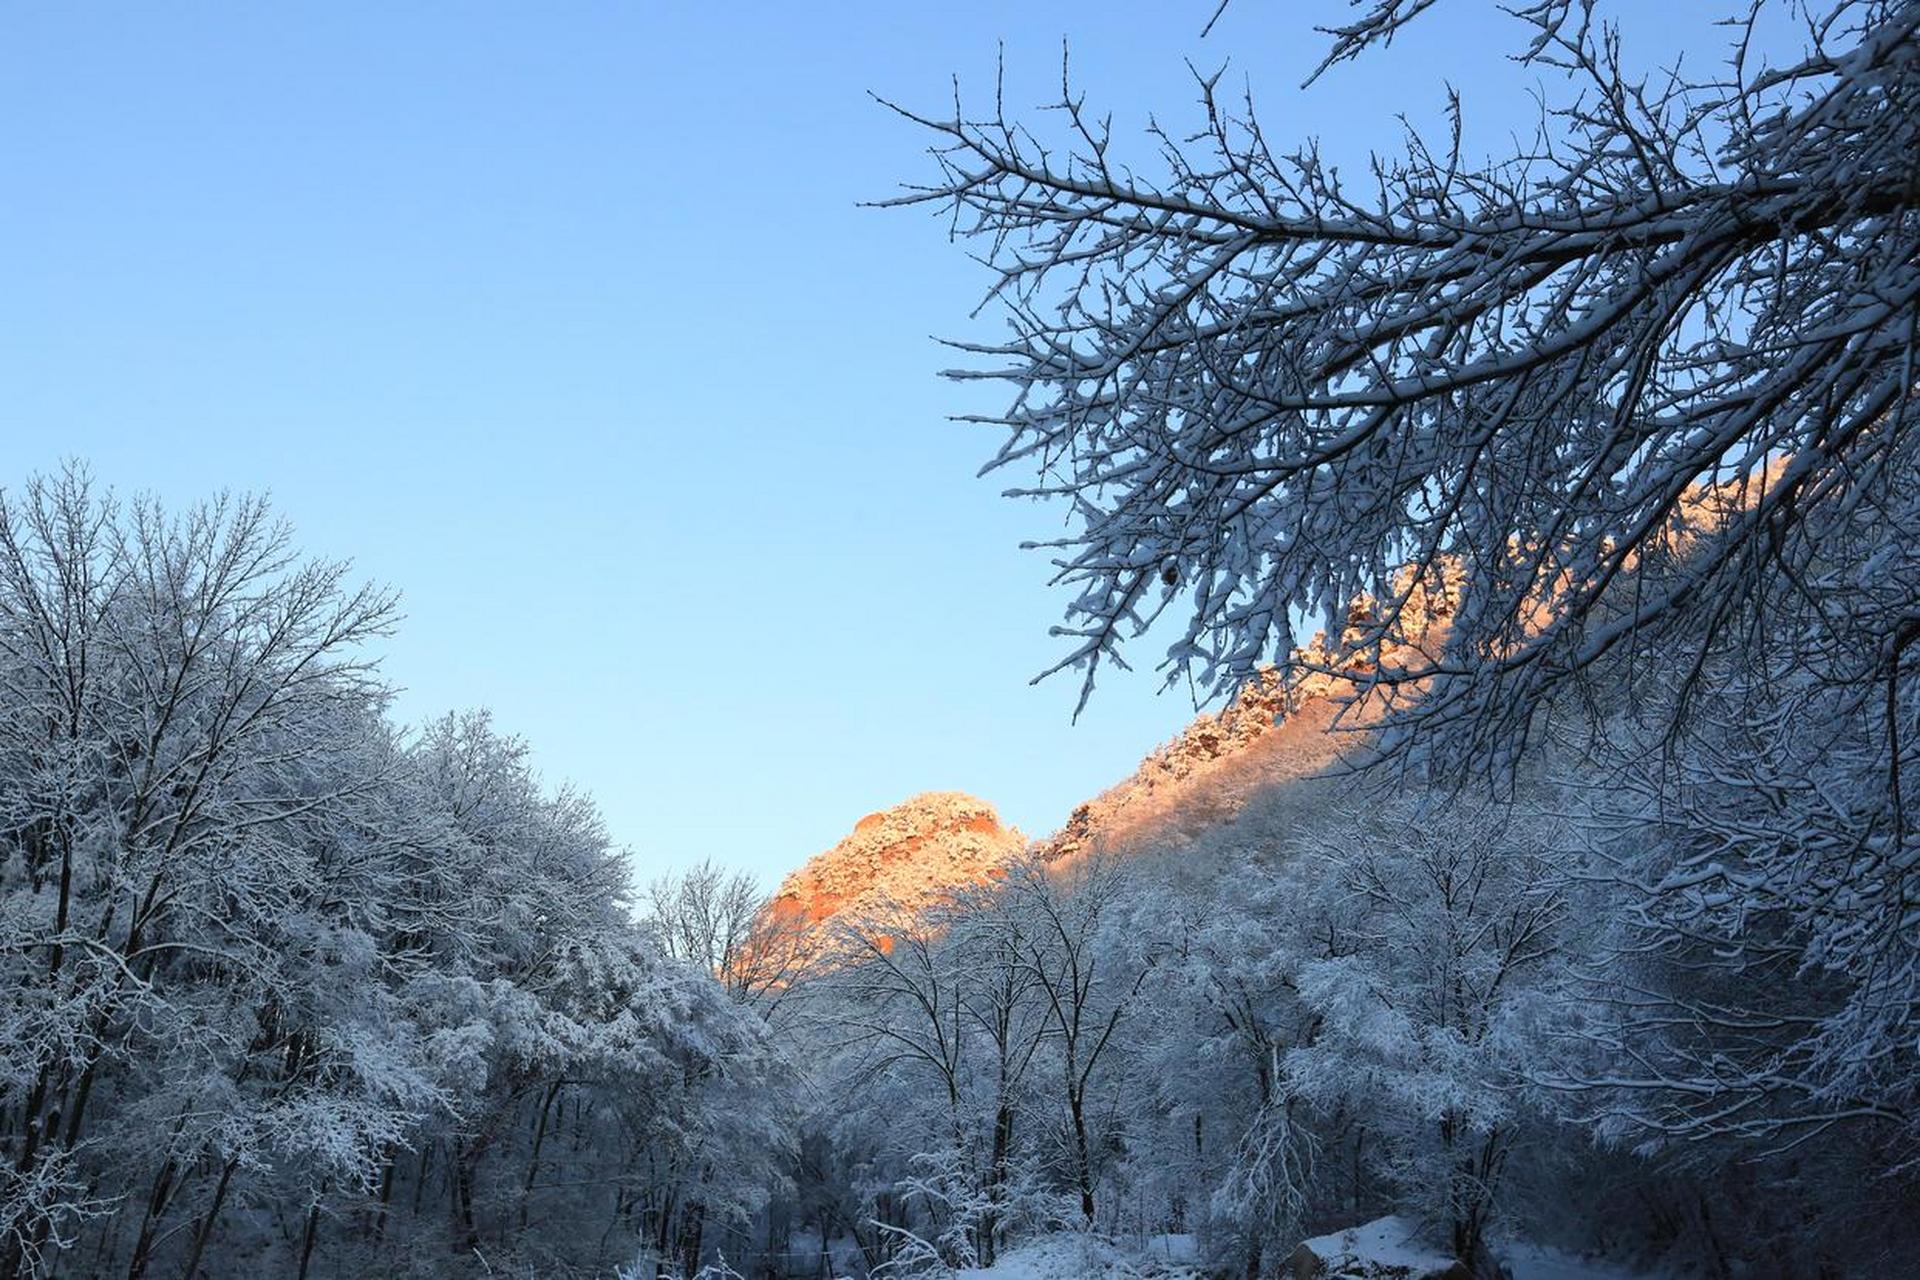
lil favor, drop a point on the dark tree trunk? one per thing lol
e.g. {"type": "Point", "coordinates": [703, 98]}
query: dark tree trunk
{"type": "Point", "coordinates": [156, 1205]}
{"type": "Point", "coordinates": [533, 1160]}
{"type": "Point", "coordinates": [386, 1199]}
{"type": "Point", "coordinates": [469, 1235]}
{"type": "Point", "coordinates": [692, 1229]}
{"type": "Point", "coordinates": [312, 1234]}
{"type": "Point", "coordinates": [205, 1233]}
{"type": "Point", "coordinates": [1083, 1161]}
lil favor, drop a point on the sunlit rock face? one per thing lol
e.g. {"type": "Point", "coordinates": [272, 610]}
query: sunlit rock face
{"type": "Point", "coordinates": [1276, 731]}
{"type": "Point", "coordinates": [1202, 777]}
{"type": "Point", "coordinates": [901, 860]}
{"type": "Point", "coordinates": [1281, 731]}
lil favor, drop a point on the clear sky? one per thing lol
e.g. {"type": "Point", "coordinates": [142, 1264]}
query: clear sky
{"type": "Point", "coordinates": [564, 320]}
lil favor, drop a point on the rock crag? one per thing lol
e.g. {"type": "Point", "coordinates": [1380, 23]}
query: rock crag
{"type": "Point", "coordinates": [901, 860]}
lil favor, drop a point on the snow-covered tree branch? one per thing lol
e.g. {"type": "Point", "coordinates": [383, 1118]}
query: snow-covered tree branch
{"type": "Point", "coordinates": [1631, 382]}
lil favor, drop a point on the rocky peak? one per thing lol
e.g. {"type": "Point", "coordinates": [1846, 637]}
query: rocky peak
{"type": "Point", "coordinates": [904, 858]}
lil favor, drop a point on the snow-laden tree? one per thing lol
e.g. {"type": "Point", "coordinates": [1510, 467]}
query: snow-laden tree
{"type": "Point", "coordinates": [1437, 943]}
{"type": "Point", "coordinates": [988, 936]}
{"type": "Point", "coordinates": [284, 989]}
{"type": "Point", "coordinates": [973, 1075]}
{"type": "Point", "coordinates": [935, 1022]}
{"type": "Point", "coordinates": [1216, 1140]}
{"type": "Point", "coordinates": [1262, 387]}
{"type": "Point", "coordinates": [183, 714]}
{"type": "Point", "coordinates": [1069, 914]}
{"type": "Point", "coordinates": [1764, 980]}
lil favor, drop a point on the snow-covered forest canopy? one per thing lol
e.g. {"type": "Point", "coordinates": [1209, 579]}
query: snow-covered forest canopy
{"type": "Point", "coordinates": [1596, 953]}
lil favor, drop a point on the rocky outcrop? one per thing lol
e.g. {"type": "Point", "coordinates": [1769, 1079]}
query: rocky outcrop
{"type": "Point", "coordinates": [1204, 775]}
{"type": "Point", "coordinates": [1385, 1249]}
{"type": "Point", "coordinates": [1279, 728]}
{"type": "Point", "coordinates": [901, 860]}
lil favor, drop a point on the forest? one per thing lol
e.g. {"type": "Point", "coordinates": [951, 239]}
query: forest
{"type": "Point", "coordinates": [1579, 490]}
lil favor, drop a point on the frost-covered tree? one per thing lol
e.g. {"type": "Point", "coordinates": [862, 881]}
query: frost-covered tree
{"type": "Point", "coordinates": [1216, 1141]}
{"type": "Point", "coordinates": [975, 1075]}
{"type": "Point", "coordinates": [935, 1021]}
{"type": "Point", "coordinates": [722, 922]}
{"type": "Point", "coordinates": [1764, 976]}
{"type": "Point", "coordinates": [1263, 388]}
{"type": "Point", "coordinates": [181, 728]}
{"type": "Point", "coordinates": [1437, 941]}
{"type": "Point", "coordinates": [987, 936]}
{"type": "Point", "coordinates": [892, 1012]}
{"type": "Point", "coordinates": [1069, 914]}
{"type": "Point", "coordinates": [284, 990]}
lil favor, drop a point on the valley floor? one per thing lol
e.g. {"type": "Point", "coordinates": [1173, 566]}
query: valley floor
{"type": "Point", "coordinates": [1074, 1257]}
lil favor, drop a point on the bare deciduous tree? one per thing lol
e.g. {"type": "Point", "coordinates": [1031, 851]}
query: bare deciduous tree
{"type": "Point", "coordinates": [723, 922]}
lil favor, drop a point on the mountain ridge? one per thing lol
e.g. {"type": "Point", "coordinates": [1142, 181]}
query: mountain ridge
{"type": "Point", "coordinates": [1279, 727]}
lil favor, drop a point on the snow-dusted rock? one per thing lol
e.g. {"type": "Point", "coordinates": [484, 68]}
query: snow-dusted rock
{"type": "Point", "coordinates": [1384, 1249]}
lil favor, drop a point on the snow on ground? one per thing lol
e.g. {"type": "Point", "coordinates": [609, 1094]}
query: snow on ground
{"type": "Point", "coordinates": [1077, 1257]}
{"type": "Point", "coordinates": [1183, 1249]}
{"type": "Point", "coordinates": [1393, 1246]}
{"type": "Point", "coordinates": [1537, 1262]}
{"type": "Point", "coordinates": [1391, 1242]}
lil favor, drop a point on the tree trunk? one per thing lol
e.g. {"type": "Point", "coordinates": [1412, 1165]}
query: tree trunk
{"type": "Point", "coordinates": [692, 1229]}
{"type": "Point", "coordinates": [988, 1245]}
{"type": "Point", "coordinates": [533, 1160]}
{"type": "Point", "coordinates": [1083, 1161]}
{"type": "Point", "coordinates": [205, 1232]}
{"type": "Point", "coordinates": [386, 1198]}
{"type": "Point", "coordinates": [460, 1186]}
{"type": "Point", "coordinates": [312, 1233]}
{"type": "Point", "coordinates": [156, 1205]}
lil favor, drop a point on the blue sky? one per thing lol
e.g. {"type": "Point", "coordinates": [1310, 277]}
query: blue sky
{"type": "Point", "coordinates": [564, 320]}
